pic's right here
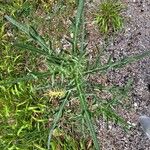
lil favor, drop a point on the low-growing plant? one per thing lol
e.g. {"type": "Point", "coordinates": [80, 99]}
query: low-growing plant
{"type": "Point", "coordinates": [109, 18]}
{"type": "Point", "coordinates": [70, 71]}
{"type": "Point", "coordinates": [24, 115]}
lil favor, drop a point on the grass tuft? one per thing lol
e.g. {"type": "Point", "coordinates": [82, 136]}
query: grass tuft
{"type": "Point", "coordinates": [109, 18]}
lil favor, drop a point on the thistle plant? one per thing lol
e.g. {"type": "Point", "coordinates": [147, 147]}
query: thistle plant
{"type": "Point", "coordinates": [109, 18]}
{"type": "Point", "coordinates": [71, 70]}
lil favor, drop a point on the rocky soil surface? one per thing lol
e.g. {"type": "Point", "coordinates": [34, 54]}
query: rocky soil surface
{"type": "Point", "coordinates": [134, 39]}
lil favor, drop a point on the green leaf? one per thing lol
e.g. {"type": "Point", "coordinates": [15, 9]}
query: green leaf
{"type": "Point", "coordinates": [120, 63]}
{"type": "Point", "coordinates": [56, 119]}
{"type": "Point", "coordinates": [30, 76]}
{"type": "Point", "coordinates": [31, 48]}
{"type": "Point", "coordinates": [31, 32]}
{"type": "Point", "coordinates": [77, 24]}
{"type": "Point", "coordinates": [25, 29]}
{"type": "Point", "coordinates": [84, 107]}
{"type": "Point", "coordinates": [34, 34]}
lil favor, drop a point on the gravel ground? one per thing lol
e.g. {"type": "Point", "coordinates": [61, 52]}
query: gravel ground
{"type": "Point", "coordinates": [134, 39]}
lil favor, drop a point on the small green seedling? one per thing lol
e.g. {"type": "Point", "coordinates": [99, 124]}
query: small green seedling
{"type": "Point", "coordinates": [108, 17]}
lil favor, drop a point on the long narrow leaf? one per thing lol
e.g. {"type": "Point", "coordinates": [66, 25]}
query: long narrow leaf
{"type": "Point", "coordinates": [51, 58]}
{"type": "Point", "coordinates": [78, 23]}
{"type": "Point", "coordinates": [31, 76]}
{"type": "Point", "coordinates": [31, 32]}
{"type": "Point", "coordinates": [87, 115]}
{"type": "Point", "coordinates": [56, 119]}
{"type": "Point", "coordinates": [120, 63]}
{"type": "Point", "coordinates": [34, 34]}
{"type": "Point", "coordinates": [22, 27]}
{"type": "Point", "coordinates": [83, 36]}
{"type": "Point", "coordinates": [31, 48]}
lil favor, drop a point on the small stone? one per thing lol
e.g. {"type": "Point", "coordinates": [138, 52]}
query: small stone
{"type": "Point", "coordinates": [135, 104]}
{"type": "Point", "coordinates": [145, 123]}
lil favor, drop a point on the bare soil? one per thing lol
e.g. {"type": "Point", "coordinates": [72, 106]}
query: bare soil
{"type": "Point", "coordinates": [133, 39]}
